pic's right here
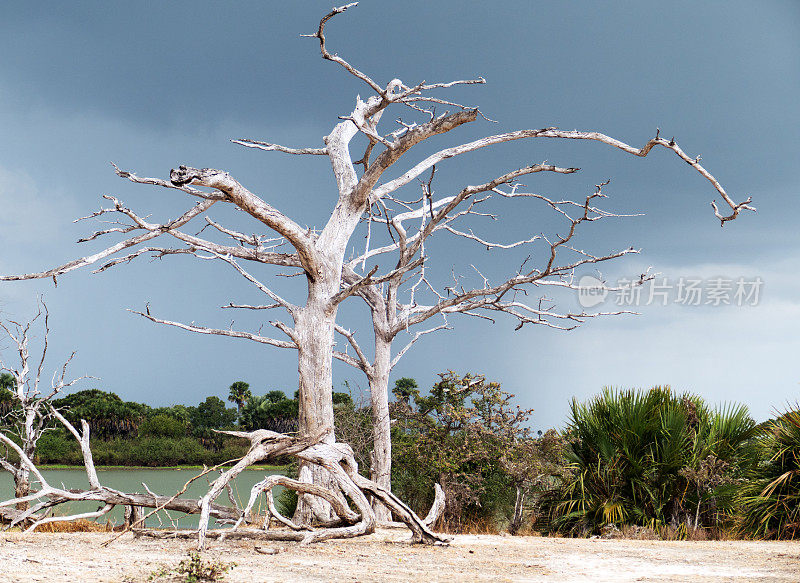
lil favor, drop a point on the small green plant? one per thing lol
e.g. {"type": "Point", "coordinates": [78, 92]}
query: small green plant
{"type": "Point", "coordinates": [194, 570]}
{"type": "Point", "coordinates": [286, 502]}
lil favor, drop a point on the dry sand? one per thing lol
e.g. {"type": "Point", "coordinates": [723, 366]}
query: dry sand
{"type": "Point", "coordinates": [383, 557]}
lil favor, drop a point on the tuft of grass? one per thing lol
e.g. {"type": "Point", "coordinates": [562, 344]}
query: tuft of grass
{"type": "Point", "coordinates": [193, 570]}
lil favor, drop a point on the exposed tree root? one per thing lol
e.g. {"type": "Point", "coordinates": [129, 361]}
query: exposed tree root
{"type": "Point", "coordinates": [349, 498]}
{"type": "Point", "coordinates": [338, 460]}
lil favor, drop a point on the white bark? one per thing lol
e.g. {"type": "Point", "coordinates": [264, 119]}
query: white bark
{"type": "Point", "coordinates": [381, 466]}
{"type": "Point", "coordinates": [29, 418]}
{"type": "Point", "coordinates": [320, 256]}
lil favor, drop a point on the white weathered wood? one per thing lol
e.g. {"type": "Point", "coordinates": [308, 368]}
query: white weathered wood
{"type": "Point", "coordinates": [31, 413]}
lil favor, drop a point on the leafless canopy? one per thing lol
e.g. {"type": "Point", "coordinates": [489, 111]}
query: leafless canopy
{"type": "Point", "coordinates": [29, 408]}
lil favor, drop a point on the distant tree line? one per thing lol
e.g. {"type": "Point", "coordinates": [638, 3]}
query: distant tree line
{"type": "Point", "coordinates": [129, 433]}
{"type": "Point", "coordinates": [654, 461]}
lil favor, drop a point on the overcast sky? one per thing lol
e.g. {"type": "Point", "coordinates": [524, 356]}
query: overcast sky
{"type": "Point", "coordinates": [153, 86]}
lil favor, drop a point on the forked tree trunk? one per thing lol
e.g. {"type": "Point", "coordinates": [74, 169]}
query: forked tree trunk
{"type": "Point", "coordinates": [321, 255]}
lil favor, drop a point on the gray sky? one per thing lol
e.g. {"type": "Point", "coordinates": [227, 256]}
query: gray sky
{"type": "Point", "coordinates": [85, 83]}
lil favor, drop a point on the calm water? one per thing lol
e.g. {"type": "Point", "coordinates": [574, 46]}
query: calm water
{"type": "Point", "coordinates": [164, 482]}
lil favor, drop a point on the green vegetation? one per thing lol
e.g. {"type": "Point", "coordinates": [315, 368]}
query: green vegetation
{"type": "Point", "coordinates": [6, 397]}
{"type": "Point", "coordinates": [273, 411]}
{"type": "Point", "coordinates": [769, 498]}
{"type": "Point", "coordinates": [456, 436]}
{"type": "Point", "coordinates": [130, 434]}
{"type": "Point", "coordinates": [194, 570]}
{"type": "Point", "coordinates": [107, 414]}
{"type": "Point", "coordinates": [651, 458]}
{"type": "Point", "coordinates": [127, 433]}
{"type": "Point", "coordinates": [636, 459]}
{"type": "Point", "coordinates": [239, 393]}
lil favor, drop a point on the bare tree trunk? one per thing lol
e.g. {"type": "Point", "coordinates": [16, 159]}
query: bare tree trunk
{"type": "Point", "coordinates": [314, 327]}
{"type": "Point", "coordinates": [381, 470]}
{"type": "Point", "coordinates": [134, 517]}
{"type": "Point", "coordinates": [516, 520]}
{"type": "Point", "coordinates": [22, 487]}
{"type": "Point", "coordinates": [697, 513]}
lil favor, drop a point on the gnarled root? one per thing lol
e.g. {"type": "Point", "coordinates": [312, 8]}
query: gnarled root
{"type": "Point", "coordinates": [338, 460]}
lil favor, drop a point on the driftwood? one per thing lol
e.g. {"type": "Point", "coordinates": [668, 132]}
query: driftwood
{"type": "Point", "coordinates": [338, 460]}
{"type": "Point", "coordinates": [347, 486]}
{"type": "Point", "coordinates": [47, 496]}
{"type": "Point", "coordinates": [10, 515]}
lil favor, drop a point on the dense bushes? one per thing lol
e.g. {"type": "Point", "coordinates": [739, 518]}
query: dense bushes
{"type": "Point", "coordinates": [55, 447]}
{"type": "Point", "coordinates": [134, 434]}
{"type": "Point", "coordinates": [654, 459]}
{"type": "Point", "coordinates": [274, 411]}
{"type": "Point", "coordinates": [464, 435]}
{"type": "Point", "coordinates": [651, 458]}
{"type": "Point", "coordinates": [163, 425]}
{"type": "Point", "coordinates": [107, 414]}
{"type": "Point", "coordinates": [769, 498]}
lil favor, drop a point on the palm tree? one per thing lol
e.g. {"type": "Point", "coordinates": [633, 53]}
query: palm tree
{"type": "Point", "coordinates": [649, 458]}
{"type": "Point", "coordinates": [770, 497]}
{"type": "Point", "coordinates": [239, 394]}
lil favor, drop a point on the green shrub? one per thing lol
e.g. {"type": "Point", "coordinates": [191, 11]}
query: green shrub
{"type": "Point", "coordinates": [650, 458]}
{"type": "Point", "coordinates": [56, 447]}
{"type": "Point", "coordinates": [457, 436]}
{"type": "Point", "coordinates": [769, 498]}
{"type": "Point", "coordinates": [163, 425]}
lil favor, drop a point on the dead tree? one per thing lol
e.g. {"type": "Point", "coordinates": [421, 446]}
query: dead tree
{"type": "Point", "coordinates": [320, 255]}
{"type": "Point", "coordinates": [407, 299]}
{"type": "Point", "coordinates": [45, 496]}
{"type": "Point", "coordinates": [29, 416]}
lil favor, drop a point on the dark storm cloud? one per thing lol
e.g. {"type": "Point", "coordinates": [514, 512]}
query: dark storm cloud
{"type": "Point", "coordinates": [153, 85]}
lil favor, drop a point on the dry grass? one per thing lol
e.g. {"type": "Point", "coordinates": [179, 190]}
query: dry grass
{"type": "Point", "coordinates": [476, 526]}
{"type": "Point", "coordinates": [80, 525]}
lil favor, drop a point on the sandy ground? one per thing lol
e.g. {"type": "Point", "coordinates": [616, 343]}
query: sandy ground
{"type": "Point", "coordinates": [383, 557]}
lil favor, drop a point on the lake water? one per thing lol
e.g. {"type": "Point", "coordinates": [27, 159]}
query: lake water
{"type": "Point", "coordinates": [165, 482]}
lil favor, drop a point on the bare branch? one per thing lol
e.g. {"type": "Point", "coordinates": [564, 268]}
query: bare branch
{"type": "Point", "coordinates": [320, 34]}
{"type": "Point", "coordinates": [416, 337]}
{"type": "Point", "coordinates": [393, 185]}
{"type": "Point", "coordinates": [291, 308]}
{"type": "Point", "coordinates": [219, 332]}
{"type": "Point", "coordinates": [126, 244]}
{"type": "Point", "coordinates": [353, 289]}
{"type": "Point", "coordinates": [251, 204]}
{"type": "Point", "coordinates": [166, 184]}
{"type": "Point", "coordinates": [488, 244]}
{"type": "Point", "coordinates": [362, 362]}
{"type": "Point", "coordinates": [278, 148]}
